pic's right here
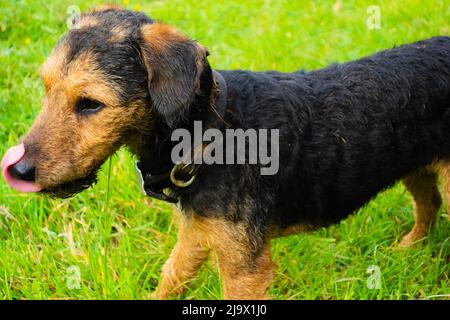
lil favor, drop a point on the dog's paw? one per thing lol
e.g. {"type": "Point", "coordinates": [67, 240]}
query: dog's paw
{"type": "Point", "coordinates": [158, 295]}
{"type": "Point", "coordinates": [411, 240]}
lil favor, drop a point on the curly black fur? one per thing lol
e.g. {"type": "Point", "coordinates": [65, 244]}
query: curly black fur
{"type": "Point", "coordinates": [347, 132]}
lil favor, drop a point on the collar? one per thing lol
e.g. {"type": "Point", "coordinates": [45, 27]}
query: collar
{"type": "Point", "coordinates": [182, 175]}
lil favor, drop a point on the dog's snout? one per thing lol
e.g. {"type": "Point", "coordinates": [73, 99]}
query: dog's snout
{"type": "Point", "coordinates": [23, 171]}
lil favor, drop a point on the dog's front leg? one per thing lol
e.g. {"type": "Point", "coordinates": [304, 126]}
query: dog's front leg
{"type": "Point", "coordinates": [246, 273]}
{"type": "Point", "coordinates": [186, 258]}
{"type": "Point", "coordinates": [245, 276]}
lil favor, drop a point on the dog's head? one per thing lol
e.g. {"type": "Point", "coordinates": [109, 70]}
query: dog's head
{"type": "Point", "coordinates": [107, 82]}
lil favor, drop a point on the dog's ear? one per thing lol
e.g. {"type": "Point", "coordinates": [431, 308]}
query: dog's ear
{"type": "Point", "coordinates": [174, 64]}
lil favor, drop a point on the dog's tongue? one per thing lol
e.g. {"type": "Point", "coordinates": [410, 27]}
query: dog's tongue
{"type": "Point", "coordinates": [11, 157]}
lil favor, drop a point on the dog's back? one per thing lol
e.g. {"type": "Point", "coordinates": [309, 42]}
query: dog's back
{"type": "Point", "coordinates": [349, 130]}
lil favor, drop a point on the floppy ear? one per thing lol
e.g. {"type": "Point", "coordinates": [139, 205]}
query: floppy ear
{"type": "Point", "coordinates": [174, 64]}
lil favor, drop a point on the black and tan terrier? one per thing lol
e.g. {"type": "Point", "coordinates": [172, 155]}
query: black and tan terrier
{"type": "Point", "coordinates": [346, 132]}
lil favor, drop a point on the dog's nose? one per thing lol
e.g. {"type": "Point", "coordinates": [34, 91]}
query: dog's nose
{"type": "Point", "coordinates": [23, 171]}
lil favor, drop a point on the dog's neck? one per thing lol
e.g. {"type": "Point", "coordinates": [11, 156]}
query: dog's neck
{"type": "Point", "coordinates": [154, 150]}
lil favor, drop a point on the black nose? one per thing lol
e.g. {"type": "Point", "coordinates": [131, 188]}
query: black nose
{"type": "Point", "coordinates": [23, 171]}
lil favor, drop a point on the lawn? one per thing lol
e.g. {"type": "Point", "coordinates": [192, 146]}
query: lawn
{"type": "Point", "coordinates": [115, 240]}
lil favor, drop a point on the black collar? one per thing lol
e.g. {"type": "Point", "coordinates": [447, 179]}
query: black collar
{"type": "Point", "coordinates": [182, 175]}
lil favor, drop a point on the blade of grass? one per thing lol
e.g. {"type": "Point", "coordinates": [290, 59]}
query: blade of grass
{"type": "Point", "coordinates": [107, 228]}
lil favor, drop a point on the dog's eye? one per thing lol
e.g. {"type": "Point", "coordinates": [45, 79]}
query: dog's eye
{"type": "Point", "coordinates": [87, 106]}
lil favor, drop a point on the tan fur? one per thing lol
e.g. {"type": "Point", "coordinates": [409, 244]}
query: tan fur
{"type": "Point", "coordinates": [92, 139]}
{"type": "Point", "coordinates": [52, 69]}
{"type": "Point", "coordinates": [244, 278]}
{"type": "Point", "coordinates": [443, 168]}
{"type": "Point", "coordinates": [88, 21]}
{"type": "Point", "coordinates": [423, 187]}
{"type": "Point", "coordinates": [160, 37]}
{"type": "Point", "coordinates": [186, 258]}
{"type": "Point", "coordinates": [244, 275]}
{"type": "Point", "coordinates": [84, 78]}
{"type": "Point", "coordinates": [119, 33]}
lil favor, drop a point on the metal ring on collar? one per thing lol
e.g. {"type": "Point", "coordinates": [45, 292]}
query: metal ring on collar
{"type": "Point", "coordinates": [177, 182]}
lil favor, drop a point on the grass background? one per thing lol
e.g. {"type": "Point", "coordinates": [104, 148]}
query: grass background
{"type": "Point", "coordinates": [120, 247]}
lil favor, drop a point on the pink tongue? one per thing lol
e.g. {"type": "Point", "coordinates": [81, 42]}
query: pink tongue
{"type": "Point", "coordinates": [13, 156]}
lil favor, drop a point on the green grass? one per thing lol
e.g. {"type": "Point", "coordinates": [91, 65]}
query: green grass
{"type": "Point", "coordinates": [120, 243]}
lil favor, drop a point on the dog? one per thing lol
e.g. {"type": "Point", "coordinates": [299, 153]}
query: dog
{"type": "Point", "coordinates": [346, 132]}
